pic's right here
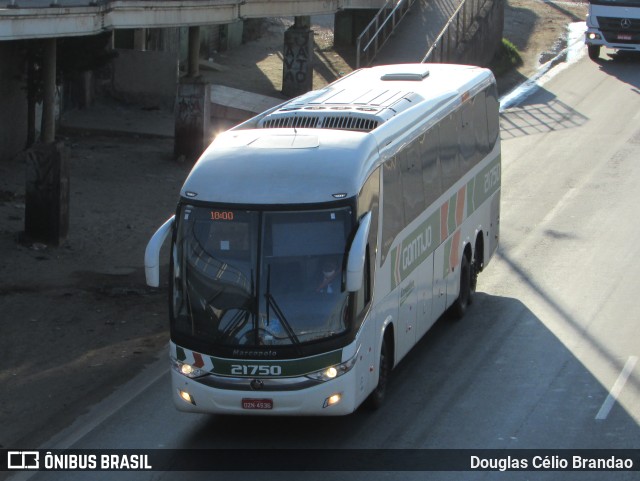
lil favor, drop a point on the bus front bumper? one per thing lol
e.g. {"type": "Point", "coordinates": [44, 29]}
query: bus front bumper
{"type": "Point", "coordinates": [595, 37]}
{"type": "Point", "coordinates": [332, 398]}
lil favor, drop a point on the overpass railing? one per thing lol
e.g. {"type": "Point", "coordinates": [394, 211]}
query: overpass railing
{"type": "Point", "coordinates": [454, 32]}
{"type": "Point", "coordinates": [375, 35]}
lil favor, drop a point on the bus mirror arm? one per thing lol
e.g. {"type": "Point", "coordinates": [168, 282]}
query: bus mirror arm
{"type": "Point", "coordinates": [152, 253]}
{"type": "Point", "coordinates": [357, 253]}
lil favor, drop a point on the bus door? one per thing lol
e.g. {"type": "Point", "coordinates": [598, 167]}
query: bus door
{"type": "Point", "coordinates": [407, 312]}
{"type": "Point", "coordinates": [425, 301]}
{"type": "Point", "coordinates": [439, 303]}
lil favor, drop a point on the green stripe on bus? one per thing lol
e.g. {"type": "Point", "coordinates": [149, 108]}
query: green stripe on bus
{"type": "Point", "coordinates": [415, 249]}
{"type": "Point", "coordinates": [180, 354]}
{"type": "Point", "coordinates": [487, 182]}
{"type": "Point", "coordinates": [471, 205]}
{"type": "Point", "coordinates": [287, 367]}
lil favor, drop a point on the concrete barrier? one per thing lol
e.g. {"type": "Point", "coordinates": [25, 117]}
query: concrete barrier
{"type": "Point", "coordinates": [237, 105]}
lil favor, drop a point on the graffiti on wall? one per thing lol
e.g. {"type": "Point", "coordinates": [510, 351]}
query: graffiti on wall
{"type": "Point", "coordinates": [297, 61]}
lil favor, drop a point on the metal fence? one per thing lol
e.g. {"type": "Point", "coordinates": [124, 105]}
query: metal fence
{"type": "Point", "coordinates": [454, 32]}
{"type": "Point", "coordinates": [375, 35]}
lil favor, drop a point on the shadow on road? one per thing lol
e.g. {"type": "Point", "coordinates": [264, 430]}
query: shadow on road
{"type": "Point", "coordinates": [625, 66]}
{"type": "Point", "coordinates": [547, 114]}
{"type": "Point", "coordinates": [497, 379]}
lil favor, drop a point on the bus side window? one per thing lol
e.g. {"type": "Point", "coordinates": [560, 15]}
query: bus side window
{"type": "Point", "coordinates": [412, 185]}
{"type": "Point", "coordinates": [493, 115]}
{"type": "Point", "coordinates": [430, 168]}
{"type": "Point", "coordinates": [468, 150]}
{"type": "Point", "coordinates": [392, 205]}
{"type": "Point", "coordinates": [449, 149]}
{"type": "Point", "coordinates": [480, 126]}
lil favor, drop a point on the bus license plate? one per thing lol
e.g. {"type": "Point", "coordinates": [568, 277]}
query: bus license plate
{"type": "Point", "coordinates": [624, 36]}
{"type": "Point", "coordinates": [257, 403]}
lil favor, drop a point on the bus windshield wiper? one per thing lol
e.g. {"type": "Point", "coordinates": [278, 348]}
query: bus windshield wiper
{"type": "Point", "coordinates": [237, 322]}
{"type": "Point", "coordinates": [271, 302]}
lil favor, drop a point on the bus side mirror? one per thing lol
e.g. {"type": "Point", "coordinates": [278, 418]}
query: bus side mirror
{"type": "Point", "coordinates": [152, 253]}
{"type": "Point", "coordinates": [357, 253]}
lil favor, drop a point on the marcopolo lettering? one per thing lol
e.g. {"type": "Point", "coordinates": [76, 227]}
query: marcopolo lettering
{"type": "Point", "coordinates": [246, 353]}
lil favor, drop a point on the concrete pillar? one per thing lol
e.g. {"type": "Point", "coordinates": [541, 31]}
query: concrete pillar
{"type": "Point", "coordinates": [140, 39]}
{"type": "Point", "coordinates": [193, 68]}
{"type": "Point", "coordinates": [32, 88]}
{"type": "Point", "coordinates": [192, 119]}
{"type": "Point", "coordinates": [193, 107]}
{"type": "Point", "coordinates": [47, 168]}
{"type": "Point", "coordinates": [49, 92]}
{"type": "Point", "coordinates": [297, 72]}
{"type": "Point", "coordinates": [47, 194]}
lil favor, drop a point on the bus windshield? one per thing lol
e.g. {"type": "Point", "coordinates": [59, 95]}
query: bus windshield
{"type": "Point", "coordinates": [259, 278]}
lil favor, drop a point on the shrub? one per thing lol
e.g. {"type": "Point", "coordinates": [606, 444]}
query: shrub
{"type": "Point", "coordinates": [506, 58]}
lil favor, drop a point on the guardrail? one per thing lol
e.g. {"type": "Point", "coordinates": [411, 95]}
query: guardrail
{"type": "Point", "coordinates": [375, 35]}
{"type": "Point", "coordinates": [454, 32]}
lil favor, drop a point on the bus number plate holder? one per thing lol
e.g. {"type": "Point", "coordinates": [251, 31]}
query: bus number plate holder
{"type": "Point", "coordinates": [250, 403]}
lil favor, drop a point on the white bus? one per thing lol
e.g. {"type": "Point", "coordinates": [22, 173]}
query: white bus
{"type": "Point", "coordinates": [614, 24]}
{"type": "Point", "coordinates": [316, 243]}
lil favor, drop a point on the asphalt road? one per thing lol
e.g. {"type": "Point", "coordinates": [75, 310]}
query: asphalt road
{"type": "Point", "coordinates": [547, 355]}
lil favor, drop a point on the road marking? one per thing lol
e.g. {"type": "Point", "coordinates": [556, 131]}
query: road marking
{"type": "Point", "coordinates": [617, 388]}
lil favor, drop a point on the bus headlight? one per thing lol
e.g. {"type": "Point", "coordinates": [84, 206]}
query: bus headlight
{"type": "Point", "coordinates": [593, 36]}
{"type": "Point", "coordinates": [188, 370]}
{"type": "Point", "coordinates": [331, 400]}
{"type": "Point", "coordinates": [332, 372]}
{"type": "Point", "coordinates": [185, 396]}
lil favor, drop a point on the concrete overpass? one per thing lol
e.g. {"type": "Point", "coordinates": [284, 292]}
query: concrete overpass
{"type": "Point", "coordinates": [29, 35]}
{"type": "Point", "coordinates": [48, 20]}
{"type": "Point", "coordinates": [29, 19]}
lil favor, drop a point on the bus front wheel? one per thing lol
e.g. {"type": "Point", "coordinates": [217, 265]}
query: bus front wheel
{"type": "Point", "coordinates": [375, 399]}
{"type": "Point", "coordinates": [459, 307]}
{"type": "Point", "coordinates": [594, 51]}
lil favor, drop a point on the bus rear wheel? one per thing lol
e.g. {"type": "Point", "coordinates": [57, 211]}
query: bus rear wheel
{"type": "Point", "coordinates": [459, 307]}
{"type": "Point", "coordinates": [376, 398]}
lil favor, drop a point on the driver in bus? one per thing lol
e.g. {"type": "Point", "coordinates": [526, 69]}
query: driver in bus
{"type": "Point", "coordinates": [330, 282]}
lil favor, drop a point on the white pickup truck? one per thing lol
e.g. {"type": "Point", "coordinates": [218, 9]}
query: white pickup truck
{"type": "Point", "coordinates": [614, 24]}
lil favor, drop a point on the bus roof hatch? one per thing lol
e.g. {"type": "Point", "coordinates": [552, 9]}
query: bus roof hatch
{"type": "Point", "coordinates": [409, 72]}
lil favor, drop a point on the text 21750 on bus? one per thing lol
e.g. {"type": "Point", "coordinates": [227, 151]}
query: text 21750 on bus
{"type": "Point", "coordinates": [314, 244]}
